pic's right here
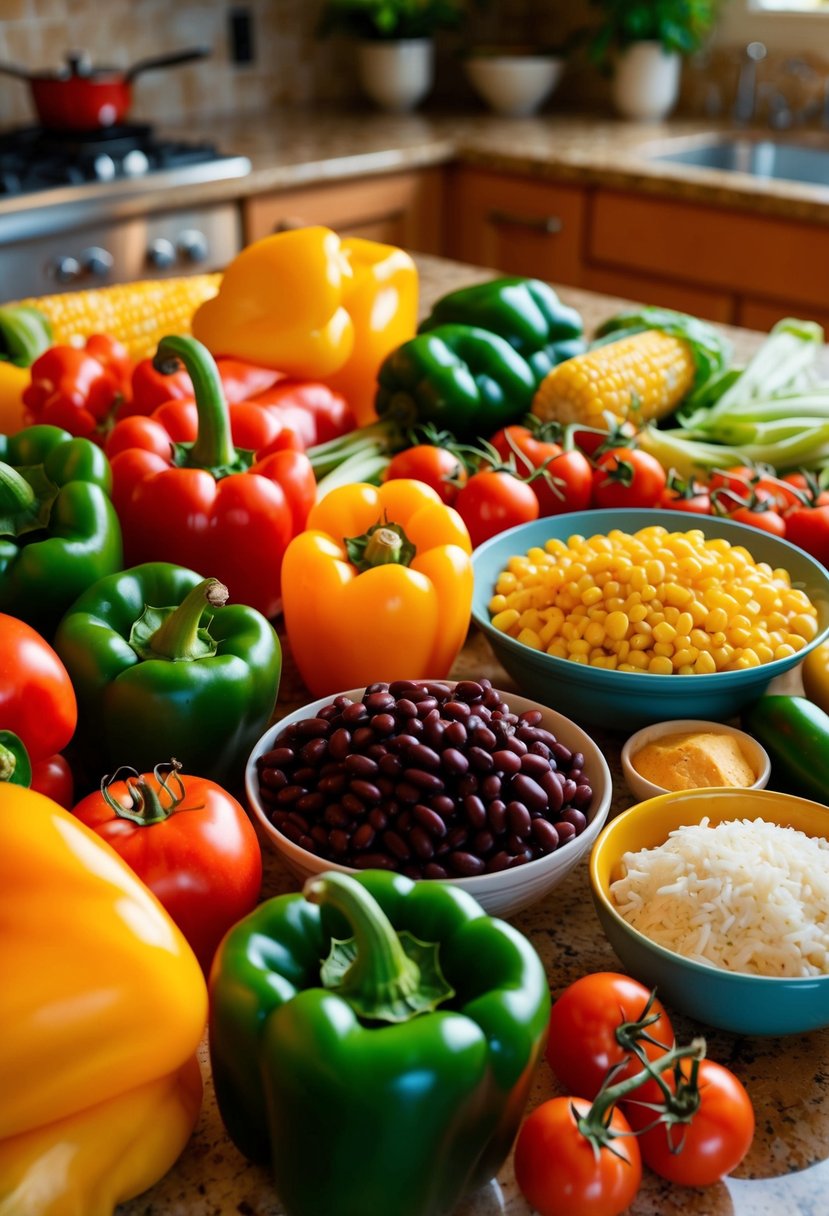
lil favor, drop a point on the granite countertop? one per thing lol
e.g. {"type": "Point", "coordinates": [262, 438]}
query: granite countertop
{"type": "Point", "coordinates": [303, 147]}
{"type": "Point", "coordinates": [786, 1172]}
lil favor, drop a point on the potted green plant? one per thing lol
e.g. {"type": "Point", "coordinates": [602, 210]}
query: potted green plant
{"type": "Point", "coordinates": [645, 40]}
{"type": "Point", "coordinates": [395, 52]}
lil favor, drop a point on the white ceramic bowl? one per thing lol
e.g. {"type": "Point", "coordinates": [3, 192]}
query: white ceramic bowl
{"type": "Point", "coordinates": [514, 85]}
{"type": "Point", "coordinates": [640, 787]}
{"type": "Point", "coordinates": [500, 894]}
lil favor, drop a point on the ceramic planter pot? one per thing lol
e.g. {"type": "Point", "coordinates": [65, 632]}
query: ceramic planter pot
{"type": "Point", "coordinates": [646, 81]}
{"type": "Point", "coordinates": [396, 75]}
{"type": "Point", "coordinates": [514, 85]}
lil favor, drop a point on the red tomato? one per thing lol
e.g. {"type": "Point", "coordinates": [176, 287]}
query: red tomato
{"type": "Point", "coordinates": [690, 496]}
{"type": "Point", "coordinates": [807, 486]}
{"type": "Point", "coordinates": [53, 777]}
{"type": "Point", "coordinates": [434, 466]}
{"type": "Point", "coordinates": [715, 1141]}
{"type": "Point", "coordinates": [493, 501]}
{"type": "Point", "coordinates": [583, 1044]}
{"type": "Point", "coordinates": [560, 1174]}
{"type": "Point", "coordinates": [591, 440]}
{"type": "Point", "coordinates": [808, 527]}
{"type": "Point", "coordinates": [37, 700]}
{"type": "Point", "coordinates": [201, 858]}
{"type": "Point", "coordinates": [528, 452]}
{"type": "Point", "coordinates": [767, 520]}
{"type": "Point", "coordinates": [567, 482]}
{"type": "Point", "coordinates": [747, 486]}
{"type": "Point", "coordinates": [626, 477]}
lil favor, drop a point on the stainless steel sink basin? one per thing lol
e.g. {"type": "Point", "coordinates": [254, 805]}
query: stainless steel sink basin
{"type": "Point", "coordinates": [764, 158]}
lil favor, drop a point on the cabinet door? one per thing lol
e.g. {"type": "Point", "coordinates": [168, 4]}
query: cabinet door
{"type": "Point", "coordinates": [517, 225]}
{"type": "Point", "coordinates": [647, 289]}
{"type": "Point", "coordinates": [397, 209]}
{"type": "Point", "coordinates": [762, 314]}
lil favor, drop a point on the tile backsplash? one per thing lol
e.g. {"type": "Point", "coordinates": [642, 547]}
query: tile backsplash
{"type": "Point", "coordinates": [291, 66]}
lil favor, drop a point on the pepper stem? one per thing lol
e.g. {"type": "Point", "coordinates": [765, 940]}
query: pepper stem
{"type": "Point", "coordinates": [147, 806]}
{"type": "Point", "coordinates": [8, 763]}
{"type": "Point", "coordinates": [16, 495]}
{"type": "Point", "coordinates": [375, 971]}
{"type": "Point", "coordinates": [15, 765]}
{"type": "Point", "coordinates": [213, 448]}
{"type": "Point", "coordinates": [25, 333]}
{"type": "Point", "coordinates": [179, 636]}
{"type": "Point", "coordinates": [384, 544]}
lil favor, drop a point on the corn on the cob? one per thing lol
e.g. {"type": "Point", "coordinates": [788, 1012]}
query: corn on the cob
{"type": "Point", "coordinates": [137, 314]}
{"type": "Point", "coordinates": [640, 377]}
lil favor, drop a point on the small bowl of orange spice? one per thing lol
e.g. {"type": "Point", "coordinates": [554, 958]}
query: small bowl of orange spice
{"type": "Point", "coordinates": [691, 753]}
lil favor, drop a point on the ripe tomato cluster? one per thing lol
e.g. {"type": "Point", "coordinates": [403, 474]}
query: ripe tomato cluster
{"type": "Point", "coordinates": [521, 474]}
{"type": "Point", "coordinates": [583, 1155]}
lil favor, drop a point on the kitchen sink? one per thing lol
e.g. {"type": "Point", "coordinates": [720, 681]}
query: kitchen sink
{"type": "Point", "coordinates": [765, 158]}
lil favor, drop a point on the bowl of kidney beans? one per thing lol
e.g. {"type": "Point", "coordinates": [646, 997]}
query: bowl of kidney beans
{"type": "Point", "coordinates": [458, 782]}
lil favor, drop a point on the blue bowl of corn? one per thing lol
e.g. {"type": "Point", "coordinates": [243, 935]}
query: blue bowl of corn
{"type": "Point", "coordinates": [624, 618]}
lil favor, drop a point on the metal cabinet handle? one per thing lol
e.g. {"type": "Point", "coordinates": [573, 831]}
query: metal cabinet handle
{"type": "Point", "coordinates": [548, 224]}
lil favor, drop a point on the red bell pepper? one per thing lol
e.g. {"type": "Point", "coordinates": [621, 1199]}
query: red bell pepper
{"type": "Point", "coordinates": [79, 388]}
{"type": "Point", "coordinates": [206, 504]}
{"type": "Point", "coordinates": [151, 388]}
{"type": "Point", "coordinates": [38, 712]}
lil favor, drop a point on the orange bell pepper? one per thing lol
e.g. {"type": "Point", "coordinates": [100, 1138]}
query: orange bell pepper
{"type": "Point", "coordinates": [100, 1019]}
{"type": "Point", "coordinates": [317, 307]}
{"type": "Point", "coordinates": [390, 601]}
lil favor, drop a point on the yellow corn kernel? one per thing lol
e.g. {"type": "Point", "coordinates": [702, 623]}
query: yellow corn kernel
{"type": "Point", "coordinates": [638, 660]}
{"type": "Point", "coordinates": [616, 625]}
{"type": "Point", "coordinates": [578, 646]}
{"type": "Point", "coordinates": [665, 649]}
{"type": "Point", "coordinates": [558, 648]}
{"type": "Point", "coordinates": [664, 632]}
{"type": "Point", "coordinates": [704, 664]}
{"type": "Point", "coordinates": [640, 641]}
{"type": "Point", "coordinates": [530, 638]}
{"type": "Point", "coordinates": [661, 665]}
{"type": "Point", "coordinates": [595, 633]}
{"type": "Point", "coordinates": [506, 619]}
{"type": "Point", "coordinates": [497, 604]}
{"type": "Point", "coordinates": [137, 314]}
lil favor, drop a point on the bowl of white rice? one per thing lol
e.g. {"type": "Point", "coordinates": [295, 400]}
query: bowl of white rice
{"type": "Point", "coordinates": [720, 899]}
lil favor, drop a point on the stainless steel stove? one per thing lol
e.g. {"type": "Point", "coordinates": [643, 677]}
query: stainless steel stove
{"type": "Point", "coordinates": [88, 208]}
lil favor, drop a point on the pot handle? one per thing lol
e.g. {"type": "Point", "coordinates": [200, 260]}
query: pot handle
{"type": "Point", "coordinates": [11, 69]}
{"type": "Point", "coordinates": [167, 61]}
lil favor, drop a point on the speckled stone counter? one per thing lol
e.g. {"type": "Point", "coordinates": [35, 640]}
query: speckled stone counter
{"type": "Point", "coordinates": [786, 1172]}
{"type": "Point", "coordinates": [304, 147]}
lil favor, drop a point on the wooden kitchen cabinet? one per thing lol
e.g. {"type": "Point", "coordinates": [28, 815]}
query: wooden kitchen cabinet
{"type": "Point", "coordinates": [517, 225]}
{"type": "Point", "coordinates": [729, 266]}
{"type": "Point", "coordinates": [398, 209]}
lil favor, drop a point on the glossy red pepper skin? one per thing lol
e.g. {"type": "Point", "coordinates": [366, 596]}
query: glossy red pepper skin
{"type": "Point", "coordinates": [150, 388]}
{"type": "Point", "coordinates": [79, 388]}
{"type": "Point", "coordinates": [201, 512]}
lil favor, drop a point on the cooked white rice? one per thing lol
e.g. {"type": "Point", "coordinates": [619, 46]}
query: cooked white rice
{"type": "Point", "coordinates": [745, 895]}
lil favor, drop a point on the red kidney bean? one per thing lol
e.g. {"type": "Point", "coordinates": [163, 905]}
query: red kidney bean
{"type": "Point", "coordinates": [520, 859]}
{"type": "Point", "coordinates": [314, 752]}
{"type": "Point", "coordinates": [363, 837]}
{"type": "Point", "coordinates": [433, 870]}
{"type": "Point", "coordinates": [298, 821]}
{"type": "Point", "coordinates": [443, 805]}
{"type": "Point", "coordinates": [336, 816]}
{"type": "Point", "coordinates": [406, 792]}
{"type": "Point", "coordinates": [352, 805]}
{"type": "Point", "coordinates": [376, 751]}
{"type": "Point", "coordinates": [289, 794]}
{"type": "Point", "coordinates": [383, 724]}
{"type": "Point", "coordinates": [416, 727]}
{"type": "Point", "coordinates": [421, 843]}
{"type": "Point", "coordinates": [457, 836]}
{"type": "Point", "coordinates": [562, 754]}
{"type": "Point", "coordinates": [433, 732]}
{"type": "Point", "coordinates": [319, 835]}
{"type": "Point", "coordinates": [481, 760]}
{"type": "Point", "coordinates": [278, 757]}
{"type": "Point", "coordinates": [423, 757]}
{"type": "Point", "coordinates": [378, 818]}
{"type": "Point", "coordinates": [429, 820]}
{"type": "Point", "coordinates": [366, 791]}
{"type": "Point", "coordinates": [385, 785]}
{"type": "Point", "coordinates": [578, 820]}
{"type": "Point", "coordinates": [467, 784]}
{"type": "Point", "coordinates": [311, 804]}
{"type": "Point", "coordinates": [465, 865]}
{"type": "Point", "coordinates": [267, 796]}
{"type": "Point", "coordinates": [397, 845]}
{"type": "Point", "coordinates": [518, 818]}
{"type": "Point", "coordinates": [566, 832]}
{"type": "Point", "coordinates": [339, 745]}
{"type": "Point", "coordinates": [455, 734]}
{"type": "Point", "coordinates": [482, 843]}
{"type": "Point", "coordinates": [339, 840]}
{"type": "Point", "coordinates": [391, 765]}
{"type": "Point", "coordinates": [454, 762]}
{"type": "Point", "coordinates": [582, 795]}
{"type": "Point", "coordinates": [272, 778]}
{"type": "Point", "coordinates": [360, 766]}
{"type": "Point", "coordinates": [483, 737]}
{"type": "Point", "coordinates": [342, 700]}
{"type": "Point", "coordinates": [534, 766]}
{"type": "Point", "coordinates": [577, 760]}
{"type": "Point", "coordinates": [304, 776]}
{"type": "Point", "coordinates": [379, 702]}
{"type": "Point", "coordinates": [374, 861]}
{"type": "Point", "coordinates": [355, 713]}
{"type": "Point", "coordinates": [568, 789]}
{"type": "Point", "coordinates": [496, 814]}
{"type": "Point", "coordinates": [499, 861]}
{"type": "Point", "coordinates": [363, 736]}
{"type": "Point", "coordinates": [402, 742]}
{"type": "Point", "coordinates": [469, 690]}
{"type": "Point", "coordinates": [475, 810]}
{"type": "Point", "coordinates": [311, 728]}
{"type": "Point", "coordinates": [424, 780]}
{"type": "Point", "coordinates": [406, 708]}
{"type": "Point", "coordinates": [540, 749]}
{"type": "Point", "coordinates": [552, 788]}
{"type": "Point", "coordinates": [425, 706]}
{"type": "Point", "coordinates": [458, 710]}
{"type": "Point", "coordinates": [526, 790]}
{"type": "Point", "coordinates": [545, 834]}
{"type": "Point", "coordinates": [403, 688]}
{"type": "Point", "coordinates": [491, 787]}
{"type": "Point", "coordinates": [514, 744]}
{"type": "Point", "coordinates": [531, 717]}
{"type": "Point", "coordinates": [506, 761]}
{"type": "Point", "coordinates": [333, 785]}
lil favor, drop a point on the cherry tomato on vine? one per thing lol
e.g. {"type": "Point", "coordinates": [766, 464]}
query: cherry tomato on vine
{"type": "Point", "coordinates": [712, 1144]}
{"type": "Point", "coordinates": [590, 439]}
{"type": "Point", "coordinates": [808, 527]}
{"type": "Point", "coordinates": [53, 777]}
{"type": "Point", "coordinates": [811, 489]}
{"type": "Point", "coordinates": [566, 483]}
{"type": "Point", "coordinates": [560, 1174]}
{"type": "Point", "coordinates": [691, 496]}
{"type": "Point", "coordinates": [768, 520]}
{"type": "Point", "coordinates": [435, 466]}
{"type": "Point", "coordinates": [627, 477]}
{"type": "Point", "coordinates": [522, 444]}
{"type": "Point", "coordinates": [492, 501]}
{"type": "Point", "coordinates": [583, 1045]}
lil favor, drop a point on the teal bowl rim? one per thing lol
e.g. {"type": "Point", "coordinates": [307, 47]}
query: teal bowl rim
{"type": "Point", "coordinates": [671, 956]}
{"type": "Point", "coordinates": [641, 517]}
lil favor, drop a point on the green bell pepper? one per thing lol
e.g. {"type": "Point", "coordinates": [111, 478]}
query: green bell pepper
{"type": "Point", "coordinates": [153, 680]}
{"type": "Point", "coordinates": [526, 312]}
{"type": "Point", "coordinates": [377, 1043]}
{"type": "Point", "coordinates": [457, 378]}
{"type": "Point", "coordinates": [59, 532]}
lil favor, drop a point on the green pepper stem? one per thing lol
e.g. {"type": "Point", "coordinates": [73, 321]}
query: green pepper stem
{"type": "Point", "coordinates": [16, 495]}
{"type": "Point", "coordinates": [147, 807]}
{"type": "Point", "coordinates": [25, 334]}
{"type": "Point", "coordinates": [15, 765]}
{"type": "Point", "coordinates": [178, 637]}
{"type": "Point", "coordinates": [213, 448]}
{"type": "Point", "coordinates": [381, 972]}
{"type": "Point", "coordinates": [8, 763]}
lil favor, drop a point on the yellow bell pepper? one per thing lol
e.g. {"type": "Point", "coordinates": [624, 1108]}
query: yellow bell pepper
{"type": "Point", "coordinates": [815, 674]}
{"type": "Point", "coordinates": [99, 1025]}
{"type": "Point", "coordinates": [314, 306]}
{"type": "Point", "coordinates": [378, 588]}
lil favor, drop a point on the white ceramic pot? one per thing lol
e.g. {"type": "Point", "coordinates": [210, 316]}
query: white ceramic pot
{"type": "Point", "coordinates": [646, 81]}
{"type": "Point", "coordinates": [514, 85]}
{"type": "Point", "coordinates": [396, 75]}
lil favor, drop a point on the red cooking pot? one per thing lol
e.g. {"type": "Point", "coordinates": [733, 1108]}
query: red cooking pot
{"type": "Point", "coordinates": [82, 98]}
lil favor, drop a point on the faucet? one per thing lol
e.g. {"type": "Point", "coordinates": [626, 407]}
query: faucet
{"type": "Point", "coordinates": [746, 100]}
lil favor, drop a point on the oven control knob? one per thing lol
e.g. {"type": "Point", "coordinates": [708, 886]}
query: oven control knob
{"type": "Point", "coordinates": [161, 254]}
{"type": "Point", "coordinates": [193, 245]}
{"type": "Point", "coordinates": [97, 262]}
{"type": "Point", "coordinates": [66, 269]}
